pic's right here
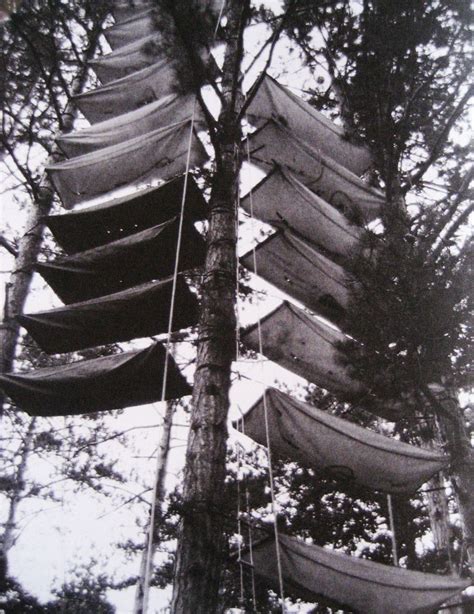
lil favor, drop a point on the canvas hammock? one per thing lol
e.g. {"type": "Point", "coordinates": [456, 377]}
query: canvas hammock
{"type": "Point", "coordinates": [273, 143]}
{"type": "Point", "coordinates": [128, 93]}
{"type": "Point", "coordinates": [301, 432]}
{"type": "Point", "coordinates": [296, 267]}
{"type": "Point", "coordinates": [158, 155]}
{"type": "Point", "coordinates": [138, 258]}
{"type": "Point", "coordinates": [281, 197]}
{"type": "Point", "coordinates": [99, 224]}
{"type": "Point", "coordinates": [130, 58]}
{"type": "Point", "coordinates": [135, 25]}
{"type": "Point", "coordinates": [85, 387]}
{"type": "Point", "coordinates": [168, 110]}
{"type": "Point", "coordinates": [141, 311]}
{"type": "Point", "coordinates": [311, 572]}
{"type": "Point", "coordinates": [304, 345]}
{"type": "Point", "coordinates": [274, 101]}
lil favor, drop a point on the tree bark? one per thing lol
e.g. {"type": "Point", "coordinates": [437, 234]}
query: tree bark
{"type": "Point", "coordinates": [459, 447]}
{"type": "Point", "coordinates": [438, 512]}
{"type": "Point", "coordinates": [201, 544]}
{"type": "Point", "coordinates": [140, 604]}
{"type": "Point", "coordinates": [7, 538]}
{"type": "Point", "coordinates": [29, 246]}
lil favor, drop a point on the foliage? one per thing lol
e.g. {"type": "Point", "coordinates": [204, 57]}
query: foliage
{"type": "Point", "coordinates": [43, 42]}
{"type": "Point", "coordinates": [83, 594]}
{"type": "Point", "coordinates": [413, 321]}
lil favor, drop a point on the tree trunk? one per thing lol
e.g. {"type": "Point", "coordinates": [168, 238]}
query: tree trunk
{"type": "Point", "coordinates": [438, 511]}
{"type": "Point", "coordinates": [29, 246]}
{"type": "Point", "coordinates": [7, 538]}
{"type": "Point", "coordinates": [459, 448]}
{"type": "Point", "coordinates": [201, 543]}
{"type": "Point", "coordinates": [141, 599]}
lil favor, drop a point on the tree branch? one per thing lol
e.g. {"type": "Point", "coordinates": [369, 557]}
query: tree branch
{"type": "Point", "coordinates": [440, 141]}
{"type": "Point", "coordinates": [274, 39]}
{"type": "Point", "coordinates": [8, 246]}
{"type": "Point", "coordinates": [451, 230]}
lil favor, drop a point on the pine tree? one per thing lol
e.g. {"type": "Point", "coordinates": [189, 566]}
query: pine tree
{"type": "Point", "coordinates": [397, 81]}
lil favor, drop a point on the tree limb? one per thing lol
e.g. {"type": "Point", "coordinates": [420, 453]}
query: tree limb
{"type": "Point", "coordinates": [440, 141]}
{"type": "Point", "coordinates": [274, 39]}
{"type": "Point", "coordinates": [8, 246]}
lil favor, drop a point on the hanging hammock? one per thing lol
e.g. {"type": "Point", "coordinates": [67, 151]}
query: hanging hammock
{"type": "Point", "coordinates": [158, 155]}
{"type": "Point", "coordinates": [275, 144]}
{"type": "Point", "coordinates": [341, 449]}
{"type": "Point", "coordinates": [99, 224]}
{"type": "Point", "coordinates": [168, 110]}
{"type": "Point", "coordinates": [131, 27]}
{"type": "Point", "coordinates": [128, 59]}
{"type": "Point", "coordinates": [274, 101]}
{"type": "Point", "coordinates": [281, 198]}
{"type": "Point", "coordinates": [85, 387]}
{"type": "Point", "coordinates": [296, 267]}
{"type": "Point", "coordinates": [304, 345]}
{"type": "Point", "coordinates": [141, 311]}
{"type": "Point", "coordinates": [366, 587]}
{"type": "Point", "coordinates": [128, 93]}
{"type": "Point", "coordinates": [141, 257]}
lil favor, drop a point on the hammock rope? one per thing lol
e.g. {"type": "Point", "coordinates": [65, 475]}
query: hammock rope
{"type": "Point", "coordinates": [239, 526]}
{"type": "Point", "coordinates": [149, 555]}
{"type": "Point", "coordinates": [265, 411]}
{"type": "Point", "coordinates": [392, 530]}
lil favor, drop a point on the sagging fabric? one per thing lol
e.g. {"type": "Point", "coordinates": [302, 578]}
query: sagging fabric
{"type": "Point", "coordinates": [101, 384]}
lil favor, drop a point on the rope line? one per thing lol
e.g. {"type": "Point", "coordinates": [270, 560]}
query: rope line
{"type": "Point", "coordinates": [239, 525]}
{"type": "Point", "coordinates": [250, 536]}
{"type": "Point", "coordinates": [267, 426]}
{"type": "Point", "coordinates": [149, 555]}
{"type": "Point", "coordinates": [392, 530]}
{"type": "Point", "coordinates": [219, 19]}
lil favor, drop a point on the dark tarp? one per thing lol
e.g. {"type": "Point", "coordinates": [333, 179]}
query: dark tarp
{"type": "Point", "coordinates": [300, 432]}
{"type": "Point", "coordinates": [281, 197]}
{"type": "Point", "coordinates": [136, 25]}
{"type": "Point", "coordinates": [149, 254]}
{"type": "Point", "coordinates": [296, 267]}
{"type": "Point", "coordinates": [128, 93]}
{"type": "Point", "coordinates": [158, 155]}
{"type": "Point", "coordinates": [127, 59]}
{"type": "Point", "coordinates": [304, 345]}
{"type": "Point", "coordinates": [141, 311]}
{"type": "Point", "coordinates": [274, 144]}
{"type": "Point", "coordinates": [86, 228]}
{"type": "Point", "coordinates": [168, 110]}
{"type": "Point", "coordinates": [113, 382]}
{"type": "Point", "coordinates": [366, 587]}
{"type": "Point", "coordinates": [274, 101]}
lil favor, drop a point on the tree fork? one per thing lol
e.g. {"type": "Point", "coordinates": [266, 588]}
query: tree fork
{"type": "Point", "coordinates": [30, 243]}
{"type": "Point", "coordinates": [201, 544]}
